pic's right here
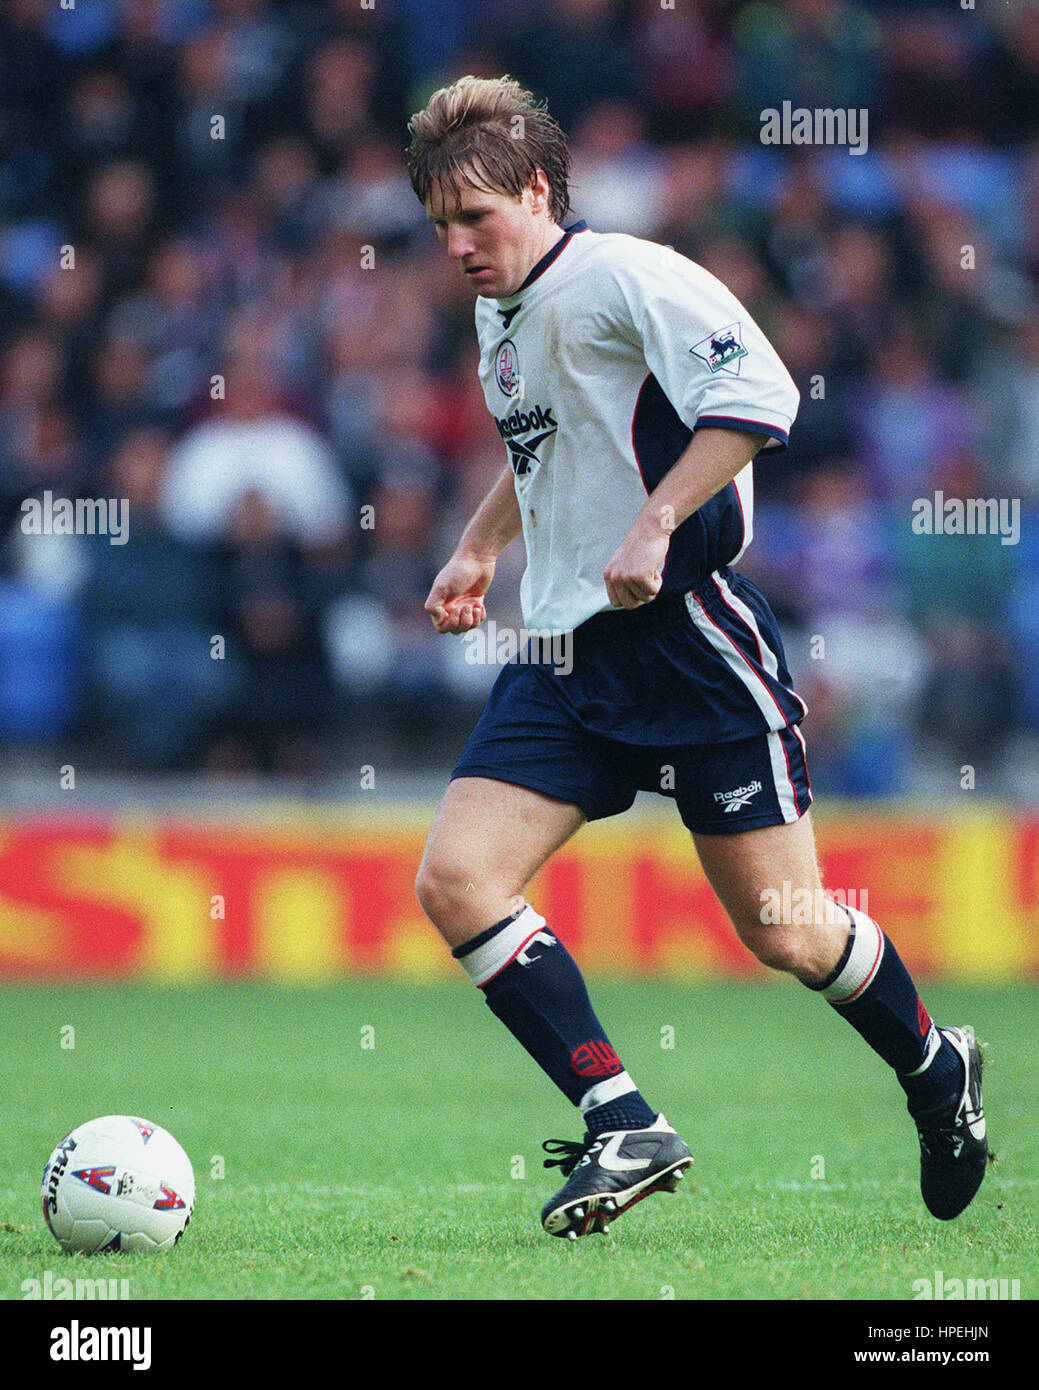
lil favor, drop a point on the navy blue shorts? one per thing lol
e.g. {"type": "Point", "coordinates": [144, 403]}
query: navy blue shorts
{"type": "Point", "coordinates": [688, 696]}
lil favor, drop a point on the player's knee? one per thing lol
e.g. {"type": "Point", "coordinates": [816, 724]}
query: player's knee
{"type": "Point", "coordinates": [777, 947]}
{"type": "Point", "coordinates": [452, 890]}
{"type": "Point", "coordinates": [438, 884]}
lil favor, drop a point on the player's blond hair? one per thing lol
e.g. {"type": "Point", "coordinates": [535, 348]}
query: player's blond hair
{"type": "Point", "coordinates": [490, 128]}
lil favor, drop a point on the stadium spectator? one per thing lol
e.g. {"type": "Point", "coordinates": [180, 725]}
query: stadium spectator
{"type": "Point", "coordinates": [268, 609]}
{"type": "Point", "coordinates": [617, 175]}
{"type": "Point", "coordinates": [148, 619]}
{"type": "Point", "coordinates": [251, 445]}
{"type": "Point", "coordinates": [572, 54]}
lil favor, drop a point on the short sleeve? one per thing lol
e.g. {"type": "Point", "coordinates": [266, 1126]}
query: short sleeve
{"type": "Point", "coordinates": [711, 359]}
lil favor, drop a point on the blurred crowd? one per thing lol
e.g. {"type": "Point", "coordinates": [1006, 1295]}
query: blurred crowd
{"type": "Point", "coordinates": [220, 300]}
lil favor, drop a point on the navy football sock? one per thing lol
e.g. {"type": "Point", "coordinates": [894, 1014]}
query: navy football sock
{"type": "Point", "coordinates": [532, 983]}
{"type": "Point", "coordinates": [872, 989]}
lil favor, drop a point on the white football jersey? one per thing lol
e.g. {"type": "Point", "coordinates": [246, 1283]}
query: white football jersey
{"type": "Point", "coordinates": [596, 371]}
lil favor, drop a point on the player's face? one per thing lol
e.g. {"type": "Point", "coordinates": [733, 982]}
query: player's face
{"type": "Point", "coordinates": [495, 238]}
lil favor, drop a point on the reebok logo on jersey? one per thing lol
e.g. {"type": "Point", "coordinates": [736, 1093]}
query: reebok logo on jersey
{"type": "Point", "coordinates": [522, 421]}
{"type": "Point", "coordinates": [737, 799]}
{"type": "Point", "coordinates": [722, 350]}
{"type": "Point", "coordinates": [523, 452]}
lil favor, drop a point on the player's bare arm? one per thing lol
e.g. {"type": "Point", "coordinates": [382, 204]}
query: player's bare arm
{"type": "Point", "coordinates": [455, 603]}
{"type": "Point", "coordinates": [711, 460]}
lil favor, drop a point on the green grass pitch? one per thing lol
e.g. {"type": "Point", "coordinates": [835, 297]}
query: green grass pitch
{"type": "Point", "coordinates": [380, 1140]}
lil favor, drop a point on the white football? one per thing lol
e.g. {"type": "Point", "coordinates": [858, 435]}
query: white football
{"type": "Point", "coordinates": [118, 1183]}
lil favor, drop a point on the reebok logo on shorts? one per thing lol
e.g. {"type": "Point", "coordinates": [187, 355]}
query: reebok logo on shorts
{"type": "Point", "coordinates": [736, 800]}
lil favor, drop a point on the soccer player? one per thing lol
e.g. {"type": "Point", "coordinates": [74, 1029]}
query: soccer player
{"type": "Point", "coordinates": [632, 391]}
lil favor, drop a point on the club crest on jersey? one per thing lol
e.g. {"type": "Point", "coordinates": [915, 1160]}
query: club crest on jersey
{"type": "Point", "coordinates": [722, 350]}
{"type": "Point", "coordinates": [506, 368]}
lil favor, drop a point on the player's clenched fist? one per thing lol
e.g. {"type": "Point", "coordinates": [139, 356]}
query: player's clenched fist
{"type": "Point", "coordinates": [634, 575]}
{"type": "Point", "coordinates": [455, 602]}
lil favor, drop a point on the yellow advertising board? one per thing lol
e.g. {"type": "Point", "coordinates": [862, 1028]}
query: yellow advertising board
{"type": "Point", "coordinates": [315, 896]}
